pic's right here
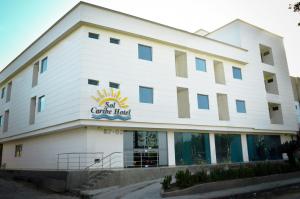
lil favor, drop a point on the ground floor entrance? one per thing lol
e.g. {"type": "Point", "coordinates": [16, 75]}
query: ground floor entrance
{"type": "Point", "coordinates": [145, 149]}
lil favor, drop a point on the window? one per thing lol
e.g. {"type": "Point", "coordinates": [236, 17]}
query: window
{"type": "Point", "coordinates": [2, 92]}
{"type": "Point", "coordinates": [203, 102]}
{"type": "Point", "coordinates": [114, 85]}
{"type": "Point", "coordinates": [93, 35]}
{"type": "Point", "coordinates": [8, 92]}
{"type": "Point", "coordinates": [228, 148]}
{"type": "Point", "coordinates": [18, 150]}
{"type": "Point", "coordinates": [93, 82]}
{"type": "Point", "coordinates": [240, 106]}
{"type": "Point", "coordinates": [44, 65]}
{"type": "Point", "coordinates": [1, 120]}
{"type": "Point", "coordinates": [237, 73]}
{"type": "Point", "coordinates": [146, 95]}
{"type": "Point", "coordinates": [41, 105]}
{"type": "Point", "coordinates": [6, 118]}
{"type": "Point", "coordinates": [145, 52]}
{"type": "Point", "coordinates": [192, 148]}
{"type": "Point", "coordinates": [200, 64]}
{"type": "Point", "coordinates": [114, 40]}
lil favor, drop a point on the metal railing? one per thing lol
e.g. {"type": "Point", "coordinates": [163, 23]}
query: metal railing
{"type": "Point", "coordinates": [77, 160]}
{"type": "Point", "coordinates": [115, 160]}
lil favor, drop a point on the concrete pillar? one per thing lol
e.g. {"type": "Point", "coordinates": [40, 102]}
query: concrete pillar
{"type": "Point", "coordinates": [171, 148]}
{"type": "Point", "coordinates": [244, 147]}
{"type": "Point", "coordinates": [212, 144]}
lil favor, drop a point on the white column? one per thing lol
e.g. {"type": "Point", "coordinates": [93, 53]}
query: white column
{"type": "Point", "coordinates": [244, 147]}
{"type": "Point", "coordinates": [171, 148]}
{"type": "Point", "coordinates": [212, 144]}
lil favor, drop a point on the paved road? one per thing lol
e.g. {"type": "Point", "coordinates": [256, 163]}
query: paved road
{"type": "Point", "coordinates": [17, 190]}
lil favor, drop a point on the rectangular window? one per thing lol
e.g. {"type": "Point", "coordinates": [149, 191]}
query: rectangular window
{"type": "Point", "coordinates": [6, 118]}
{"type": "Point", "coordinates": [1, 120]}
{"type": "Point", "coordinates": [32, 110]}
{"type": "Point", "coordinates": [192, 148]}
{"type": "Point", "coordinates": [203, 101]}
{"type": "Point", "coordinates": [93, 35]}
{"type": "Point", "coordinates": [3, 93]}
{"type": "Point", "coordinates": [228, 148]}
{"type": "Point", "coordinates": [93, 82]}
{"type": "Point", "coordinates": [44, 65]}
{"type": "Point", "coordinates": [200, 64]}
{"type": "Point", "coordinates": [42, 103]}
{"type": "Point", "coordinates": [114, 85]}
{"type": "Point", "coordinates": [237, 73]}
{"type": "Point", "coordinates": [145, 52]}
{"type": "Point", "coordinates": [240, 106]}
{"type": "Point", "coordinates": [114, 40]}
{"type": "Point", "coordinates": [146, 95]}
{"type": "Point", "coordinates": [8, 92]}
{"type": "Point", "coordinates": [264, 147]}
{"type": "Point", "coordinates": [18, 150]}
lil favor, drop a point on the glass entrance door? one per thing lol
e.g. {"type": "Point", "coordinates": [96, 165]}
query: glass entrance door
{"type": "Point", "coordinates": [145, 149]}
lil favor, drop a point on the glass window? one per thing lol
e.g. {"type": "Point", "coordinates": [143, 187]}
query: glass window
{"type": "Point", "coordinates": [237, 73]}
{"type": "Point", "coordinates": [93, 35]}
{"type": "Point", "coordinates": [145, 52]}
{"type": "Point", "coordinates": [18, 150]}
{"type": "Point", "coordinates": [228, 148]}
{"type": "Point", "coordinates": [200, 64]}
{"type": "Point", "coordinates": [1, 120]}
{"type": "Point", "coordinates": [93, 82]}
{"type": "Point", "coordinates": [114, 85]}
{"type": "Point", "coordinates": [44, 65]}
{"type": "Point", "coordinates": [2, 92]}
{"type": "Point", "coordinates": [114, 41]}
{"type": "Point", "coordinates": [263, 147]}
{"type": "Point", "coordinates": [203, 102]}
{"type": "Point", "coordinates": [240, 106]}
{"type": "Point", "coordinates": [146, 95]}
{"type": "Point", "coordinates": [192, 148]}
{"type": "Point", "coordinates": [41, 104]}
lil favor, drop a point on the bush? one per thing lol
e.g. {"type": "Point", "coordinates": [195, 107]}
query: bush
{"type": "Point", "coordinates": [166, 183]}
{"type": "Point", "coordinates": [184, 179]}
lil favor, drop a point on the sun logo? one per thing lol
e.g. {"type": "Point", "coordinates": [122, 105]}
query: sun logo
{"type": "Point", "coordinates": [108, 96]}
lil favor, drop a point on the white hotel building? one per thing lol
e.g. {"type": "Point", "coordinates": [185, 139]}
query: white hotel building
{"type": "Point", "coordinates": [100, 83]}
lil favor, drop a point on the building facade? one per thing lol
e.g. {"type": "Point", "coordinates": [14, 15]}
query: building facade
{"type": "Point", "coordinates": [103, 85]}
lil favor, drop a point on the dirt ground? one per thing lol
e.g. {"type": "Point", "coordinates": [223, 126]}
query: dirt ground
{"type": "Point", "coordinates": [20, 190]}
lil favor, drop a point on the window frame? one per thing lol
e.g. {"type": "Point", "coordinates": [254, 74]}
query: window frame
{"type": "Point", "coordinates": [141, 55]}
{"type": "Point", "coordinates": [140, 95]}
{"type": "Point", "coordinates": [206, 107]}
{"type": "Point", "coordinates": [44, 67]}
{"type": "Point", "coordinates": [234, 75]}
{"type": "Point", "coordinates": [114, 40]}
{"type": "Point", "coordinates": [92, 81]}
{"type": "Point", "coordinates": [113, 83]}
{"type": "Point", "coordinates": [93, 35]}
{"type": "Point", "coordinates": [237, 102]}
{"type": "Point", "coordinates": [41, 107]}
{"type": "Point", "coordinates": [204, 61]}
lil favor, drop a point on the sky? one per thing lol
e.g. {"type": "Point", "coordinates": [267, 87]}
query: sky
{"type": "Point", "coordinates": [23, 21]}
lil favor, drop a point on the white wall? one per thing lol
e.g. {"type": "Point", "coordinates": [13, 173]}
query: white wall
{"type": "Point", "coordinates": [41, 152]}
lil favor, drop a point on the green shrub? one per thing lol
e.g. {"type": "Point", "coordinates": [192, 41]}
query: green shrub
{"type": "Point", "coordinates": [202, 177]}
{"type": "Point", "coordinates": [166, 183]}
{"type": "Point", "coordinates": [184, 179]}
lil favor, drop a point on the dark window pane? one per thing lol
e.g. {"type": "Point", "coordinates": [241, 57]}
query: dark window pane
{"type": "Point", "coordinates": [93, 35]}
{"type": "Point", "coordinates": [228, 148]}
{"type": "Point", "coordinates": [114, 41]}
{"type": "Point", "coordinates": [93, 82]}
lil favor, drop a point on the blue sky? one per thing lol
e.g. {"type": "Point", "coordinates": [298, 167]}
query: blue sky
{"type": "Point", "coordinates": [22, 21]}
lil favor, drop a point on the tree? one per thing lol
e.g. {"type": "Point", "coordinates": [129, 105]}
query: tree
{"type": "Point", "coordinates": [290, 149]}
{"type": "Point", "coordinates": [296, 8]}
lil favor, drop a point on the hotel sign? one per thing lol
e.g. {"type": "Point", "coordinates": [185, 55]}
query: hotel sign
{"type": "Point", "coordinates": [110, 105]}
